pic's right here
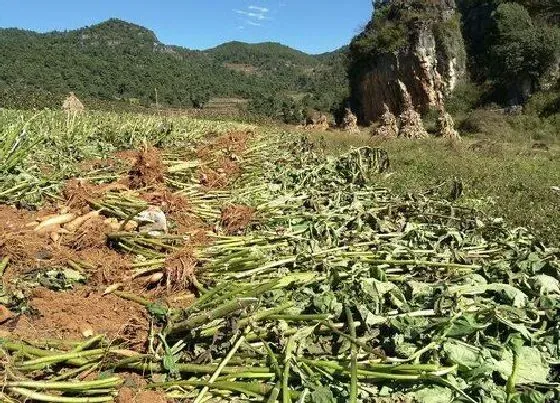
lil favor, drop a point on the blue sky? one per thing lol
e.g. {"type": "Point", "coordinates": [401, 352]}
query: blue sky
{"type": "Point", "coordinates": [310, 25]}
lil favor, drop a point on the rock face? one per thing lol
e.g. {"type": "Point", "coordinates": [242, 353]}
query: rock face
{"type": "Point", "coordinates": [429, 59]}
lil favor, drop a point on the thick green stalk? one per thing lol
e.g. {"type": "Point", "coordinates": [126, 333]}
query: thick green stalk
{"type": "Point", "coordinates": [354, 359]}
{"type": "Point", "coordinates": [207, 317]}
{"type": "Point", "coordinates": [77, 386]}
{"type": "Point", "coordinates": [255, 389]}
{"type": "Point", "coordinates": [41, 397]}
{"type": "Point", "coordinates": [290, 347]}
{"type": "Point", "coordinates": [273, 397]}
{"type": "Point", "coordinates": [216, 374]}
{"type": "Point", "coordinates": [192, 368]}
{"type": "Point", "coordinates": [3, 265]}
{"type": "Point", "coordinates": [56, 358]}
{"type": "Point", "coordinates": [248, 375]}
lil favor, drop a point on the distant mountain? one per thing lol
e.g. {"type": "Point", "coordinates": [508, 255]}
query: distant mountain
{"type": "Point", "coordinates": [117, 60]}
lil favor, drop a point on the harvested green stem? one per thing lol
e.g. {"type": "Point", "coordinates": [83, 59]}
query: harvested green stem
{"type": "Point", "coordinates": [76, 386]}
{"type": "Point", "coordinates": [290, 347]}
{"type": "Point", "coordinates": [41, 397]}
{"type": "Point", "coordinates": [220, 312]}
{"type": "Point", "coordinates": [273, 397]}
{"type": "Point", "coordinates": [354, 340]}
{"type": "Point", "coordinates": [192, 368]}
{"type": "Point", "coordinates": [40, 363]}
{"type": "Point", "coordinates": [216, 374]}
{"type": "Point", "coordinates": [354, 359]}
{"type": "Point", "coordinates": [3, 265]}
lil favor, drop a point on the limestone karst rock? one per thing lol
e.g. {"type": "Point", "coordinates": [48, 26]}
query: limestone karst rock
{"type": "Point", "coordinates": [388, 126]}
{"type": "Point", "coordinates": [317, 120]}
{"type": "Point", "coordinates": [445, 126]}
{"type": "Point", "coordinates": [350, 121]}
{"type": "Point", "coordinates": [411, 124]}
{"type": "Point", "coordinates": [413, 42]}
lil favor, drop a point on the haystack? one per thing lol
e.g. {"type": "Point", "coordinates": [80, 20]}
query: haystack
{"type": "Point", "coordinates": [72, 104]}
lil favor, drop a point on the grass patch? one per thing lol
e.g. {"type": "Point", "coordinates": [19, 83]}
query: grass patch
{"type": "Point", "coordinates": [513, 180]}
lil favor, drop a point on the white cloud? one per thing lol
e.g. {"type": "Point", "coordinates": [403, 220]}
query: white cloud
{"type": "Point", "coordinates": [262, 10]}
{"type": "Point", "coordinates": [253, 15]}
{"type": "Point", "coordinates": [257, 16]}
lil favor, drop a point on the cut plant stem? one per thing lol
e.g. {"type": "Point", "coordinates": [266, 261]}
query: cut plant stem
{"type": "Point", "coordinates": [218, 312]}
{"type": "Point", "coordinates": [3, 265]}
{"type": "Point", "coordinates": [216, 374]}
{"type": "Point", "coordinates": [354, 359]}
{"type": "Point", "coordinates": [290, 346]}
{"type": "Point", "coordinates": [41, 397]}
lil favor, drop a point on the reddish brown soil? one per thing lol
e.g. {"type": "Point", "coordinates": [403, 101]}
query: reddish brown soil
{"type": "Point", "coordinates": [221, 157]}
{"type": "Point", "coordinates": [68, 316]}
{"type": "Point", "coordinates": [169, 202]}
{"type": "Point", "coordinates": [179, 270]}
{"type": "Point", "coordinates": [107, 266]}
{"type": "Point", "coordinates": [148, 170]}
{"type": "Point", "coordinates": [127, 157]}
{"type": "Point", "coordinates": [78, 194]}
{"type": "Point", "coordinates": [237, 217]}
{"type": "Point", "coordinates": [90, 235]}
{"type": "Point", "coordinates": [30, 251]}
{"type": "Point", "coordinates": [133, 391]}
{"type": "Point", "coordinates": [128, 395]}
{"type": "Point", "coordinates": [26, 248]}
{"type": "Point", "coordinates": [5, 314]}
{"type": "Point", "coordinates": [220, 177]}
{"type": "Point", "coordinates": [232, 143]}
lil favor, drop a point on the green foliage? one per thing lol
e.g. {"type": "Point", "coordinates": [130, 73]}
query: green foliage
{"type": "Point", "coordinates": [118, 61]}
{"type": "Point", "coordinates": [449, 39]}
{"type": "Point", "coordinates": [511, 44]}
{"type": "Point", "coordinates": [387, 32]}
{"type": "Point", "coordinates": [466, 97]}
{"type": "Point", "coordinates": [522, 49]}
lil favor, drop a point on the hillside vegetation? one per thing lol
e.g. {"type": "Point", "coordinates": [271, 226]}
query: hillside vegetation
{"type": "Point", "coordinates": [116, 60]}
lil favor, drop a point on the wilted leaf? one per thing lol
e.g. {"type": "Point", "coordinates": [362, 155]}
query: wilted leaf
{"type": "Point", "coordinates": [533, 368]}
{"type": "Point", "coordinates": [435, 394]}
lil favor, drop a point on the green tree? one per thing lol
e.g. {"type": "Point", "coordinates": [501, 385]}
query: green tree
{"type": "Point", "coordinates": [522, 51]}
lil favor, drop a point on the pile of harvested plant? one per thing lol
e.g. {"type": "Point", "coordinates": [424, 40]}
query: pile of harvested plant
{"type": "Point", "coordinates": [294, 278]}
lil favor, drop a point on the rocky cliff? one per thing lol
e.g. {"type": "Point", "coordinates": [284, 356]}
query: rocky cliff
{"type": "Point", "coordinates": [411, 50]}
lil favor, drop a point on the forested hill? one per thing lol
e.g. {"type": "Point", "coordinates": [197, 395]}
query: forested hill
{"type": "Point", "coordinates": [116, 60]}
